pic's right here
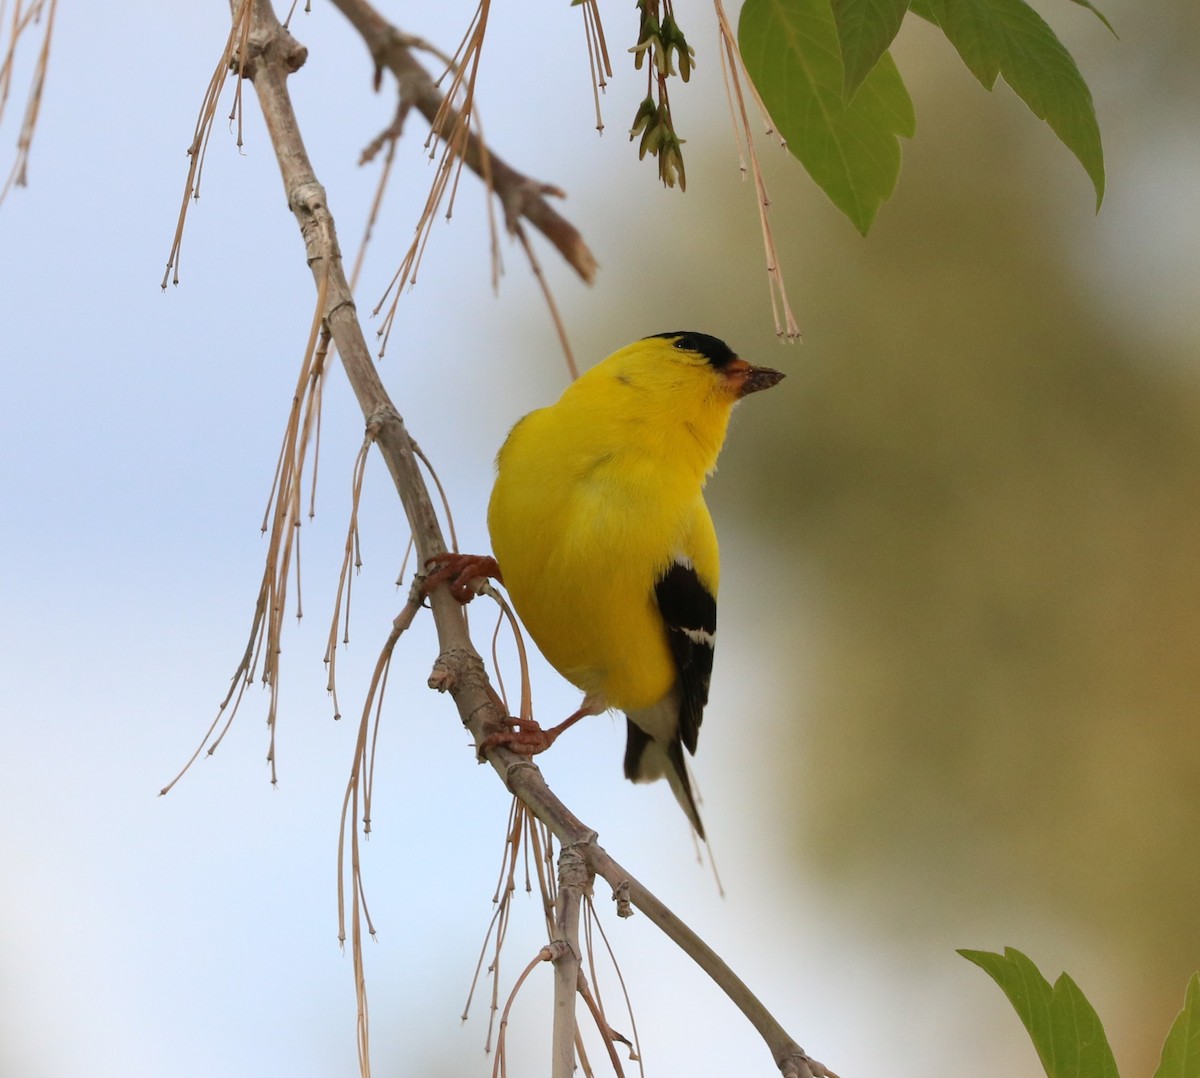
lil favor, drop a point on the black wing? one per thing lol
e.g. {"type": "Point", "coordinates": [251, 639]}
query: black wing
{"type": "Point", "coordinates": [690, 612]}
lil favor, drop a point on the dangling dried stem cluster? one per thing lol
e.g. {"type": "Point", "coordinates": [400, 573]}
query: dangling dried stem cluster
{"type": "Point", "coordinates": [356, 805]}
{"type": "Point", "coordinates": [235, 46]}
{"type": "Point", "coordinates": [25, 16]}
{"type": "Point", "coordinates": [282, 521]}
{"type": "Point", "coordinates": [456, 140]}
{"type": "Point", "coordinates": [597, 49]}
{"type": "Point", "coordinates": [566, 903]}
{"type": "Point", "coordinates": [446, 143]}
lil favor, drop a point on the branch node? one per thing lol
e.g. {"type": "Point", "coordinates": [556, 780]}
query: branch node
{"type": "Point", "coordinates": [621, 898]}
{"type": "Point", "coordinates": [441, 677]}
{"type": "Point", "coordinates": [347, 302]}
{"type": "Point", "coordinates": [294, 54]}
{"type": "Point", "coordinates": [453, 669]}
{"type": "Point", "coordinates": [572, 865]}
{"type": "Point", "coordinates": [268, 41]}
{"type": "Point", "coordinates": [382, 415]}
{"type": "Point", "coordinates": [556, 950]}
{"type": "Point", "coordinates": [519, 764]}
{"type": "Point", "coordinates": [801, 1065]}
{"type": "Point", "coordinates": [309, 196]}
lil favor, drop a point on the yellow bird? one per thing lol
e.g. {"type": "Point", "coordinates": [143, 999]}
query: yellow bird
{"type": "Point", "coordinates": [607, 549]}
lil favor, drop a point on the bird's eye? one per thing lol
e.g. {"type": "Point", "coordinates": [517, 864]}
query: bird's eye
{"type": "Point", "coordinates": [686, 343]}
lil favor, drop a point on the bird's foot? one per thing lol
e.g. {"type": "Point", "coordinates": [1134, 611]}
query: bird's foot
{"type": "Point", "coordinates": [526, 737]}
{"type": "Point", "coordinates": [457, 571]}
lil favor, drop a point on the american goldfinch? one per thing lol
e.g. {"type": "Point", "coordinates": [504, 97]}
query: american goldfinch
{"type": "Point", "coordinates": [606, 547]}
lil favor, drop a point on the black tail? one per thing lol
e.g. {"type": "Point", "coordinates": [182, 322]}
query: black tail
{"type": "Point", "coordinates": [647, 759]}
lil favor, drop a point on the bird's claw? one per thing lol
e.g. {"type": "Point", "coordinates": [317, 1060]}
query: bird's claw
{"type": "Point", "coordinates": [457, 571]}
{"type": "Point", "coordinates": [525, 737]}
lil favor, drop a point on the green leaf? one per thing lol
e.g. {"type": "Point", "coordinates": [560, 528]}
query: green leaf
{"type": "Point", "coordinates": [865, 29]}
{"type": "Point", "coordinates": [1181, 1050]}
{"type": "Point", "coordinates": [1098, 13]}
{"type": "Point", "coordinates": [1009, 38]}
{"type": "Point", "coordinates": [790, 49]}
{"type": "Point", "coordinates": [1062, 1024]}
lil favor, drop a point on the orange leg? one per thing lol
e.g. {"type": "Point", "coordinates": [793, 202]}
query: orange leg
{"type": "Point", "coordinates": [527, 738]}
{"type": "Point", "coordinates": [458, 570]}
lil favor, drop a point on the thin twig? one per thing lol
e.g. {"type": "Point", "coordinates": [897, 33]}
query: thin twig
{"type": "Point", "coordinates": [559, 326]}
{"type": "Point", "coordinates": [635, 1045]}
{"type": "Point", "coordinates": [599, 64]}
{"type": "Point", "coordinates": [786, 325]}
{"type": "Point", "coordinates": [500, 897]}
{"type": "Point", "coordinates": [357, 800]}
{"type": "Point", "coordinates": [606, 1032]}
{"type": "Point", "coordinates": [548, 953]}
{"type": "Point", "coordinates": [351, 559]}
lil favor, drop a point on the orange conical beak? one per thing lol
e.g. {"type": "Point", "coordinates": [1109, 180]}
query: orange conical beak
{"type": "Point", "coordinates": [747, 379]}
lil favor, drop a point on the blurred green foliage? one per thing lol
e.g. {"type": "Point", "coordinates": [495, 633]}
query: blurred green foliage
{"type": "Point", "coordinates": [979, 509]}
{"type": "Point", "coordinates": [829, 82]}
{"type": "Point", "coordinates": [994, 484]}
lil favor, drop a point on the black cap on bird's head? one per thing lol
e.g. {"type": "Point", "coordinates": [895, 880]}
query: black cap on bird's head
{"type": "Point", "coordinates": [715, 350]}
{"type": "Point", "coordinates": [745, 377]}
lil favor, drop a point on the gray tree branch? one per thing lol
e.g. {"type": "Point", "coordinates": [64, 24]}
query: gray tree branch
{"type": "Point", "coordinates": [270, 55]}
